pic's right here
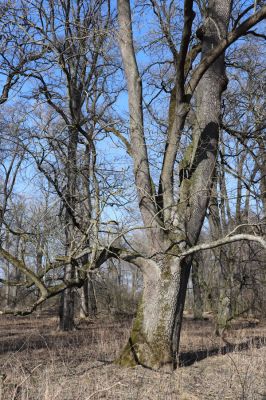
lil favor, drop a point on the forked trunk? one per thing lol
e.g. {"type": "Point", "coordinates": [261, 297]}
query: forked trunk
{"type": "Point", "coordinates": [154, 340]}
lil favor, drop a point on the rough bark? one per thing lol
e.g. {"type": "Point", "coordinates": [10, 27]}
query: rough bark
{"type": "Point", "coordinates": [151, 340]}
{"type": "Point", "coordinates": [200, 158]}
{"type": "Point", "coordinates": [66, 307]}
{"type": "Point", "coordinates": [203, 153]}
{"type": "Point", "coordinates": [88, 303]}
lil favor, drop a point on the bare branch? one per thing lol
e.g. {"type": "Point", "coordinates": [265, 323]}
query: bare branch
{"type": "Point", "coordinates": [14, 74]}
{"type": "Point", "coordinates": [224, 241]}
{"type": "Point", "coordinates": [24, 269]}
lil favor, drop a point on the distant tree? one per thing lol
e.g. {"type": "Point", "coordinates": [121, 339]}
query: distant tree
{"type": "Point", "coordinates": [70, 82]}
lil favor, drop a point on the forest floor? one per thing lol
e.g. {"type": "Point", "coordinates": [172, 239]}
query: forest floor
{"type": "Point", "coordinates": [39, 363]}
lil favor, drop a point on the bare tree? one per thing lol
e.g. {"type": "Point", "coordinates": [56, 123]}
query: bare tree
{"type": "Point", "coordinates": [78, 53]}
{"type": "Point", "coordinates": [174, 226]}
{"type": "Point", "coordinates": [172, 207]}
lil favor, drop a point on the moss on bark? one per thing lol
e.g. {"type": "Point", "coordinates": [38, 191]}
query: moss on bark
{"type": "Point", "coordinates": [154, 352]}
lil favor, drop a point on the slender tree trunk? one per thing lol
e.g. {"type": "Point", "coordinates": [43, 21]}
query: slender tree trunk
{"type": "Point", "coordinates": [7, 287]}
{"type": "Point", "coordinates": [39, 266]}
{"type": "Point", "coordinates": [240, 162]}
{"type": "Point", "coordinates": [8, 274]}
{"type": "Point", "coordinates": [67, 309]}
{"type": "Point", "coordinates": [220, 298]}
{"type": "Point", "coordinates": [197, 297]}
{"type": "Point", "coordinates": [16, 276]}
{"type": "Point", "coordinates": [226, 216]}
{"type": "Point", "coordinates": [92, 301]}
{"type": "Point", "coordinates": [12, 274]}
{"type": "Point", "coordinates": [263, 175]}
{"type": "Point", "coordinates": [134, 283]}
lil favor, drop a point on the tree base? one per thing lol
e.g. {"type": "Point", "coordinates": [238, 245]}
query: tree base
{"type": "Point", "coordinates": [141, 354]}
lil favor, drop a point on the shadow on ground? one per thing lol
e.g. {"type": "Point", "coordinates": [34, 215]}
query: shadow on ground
{"type": "Point", "coordinates": [190, 357]}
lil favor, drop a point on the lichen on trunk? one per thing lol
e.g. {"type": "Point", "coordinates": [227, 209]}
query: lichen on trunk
{"type": "Point", "coordinates": [155, 329]}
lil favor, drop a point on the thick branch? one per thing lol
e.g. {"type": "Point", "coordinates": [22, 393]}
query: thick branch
{"type": "Point", "coordinates": [145, 265]}
{"type": "Point", "coordinates": [22, 267]}
{"type": "Point", "coordinates": [177, 114]}
{"type": "Point", "coordinates": [189, 16]}
{"type": "Point", "coordinates": [134, 84]}
{"type": "Point", "coordinates": [222, 46]}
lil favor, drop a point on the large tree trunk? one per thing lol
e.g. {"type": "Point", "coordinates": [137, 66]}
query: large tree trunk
{"type": "Point", "coordinates": [208, 118]}
{"type": "Point", "coordinates": [200, 158]}
{"type": "Point", "coordinates": [88, 303]}
{"type": "Point", "coordinates": [155, 336]}
{"type": "Point", "coordinates": [66, 307]}
{"type": "Point", "coordinates": [156, 328]}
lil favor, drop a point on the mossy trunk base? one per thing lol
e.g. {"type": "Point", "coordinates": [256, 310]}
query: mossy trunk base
{"type": "Point", "coordinates": [154, 354]}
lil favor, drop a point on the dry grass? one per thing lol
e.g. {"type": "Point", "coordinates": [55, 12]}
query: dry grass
{"type": "Point", "coordinates": [43, 364]}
